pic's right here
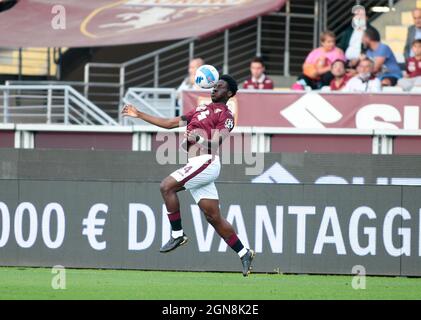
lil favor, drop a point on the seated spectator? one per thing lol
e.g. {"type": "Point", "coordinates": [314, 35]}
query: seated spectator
{"type": "Point", "coordinates": [412, 76]}
{"type": "Point", "coordinates": [316, 68]}
{"type": "Point", "coordinates": [364, 81]}
{"type": "Point", "coordinates": [189, 82]}
{"type": "Point", "coordinates": [386, 67]}
{"type": "Point", "coordinates": [351, 39]}
{"type": "Point", "coordinates": [341, 77]}
{"type": "Point", "coordinates": [258, 79]}
{"type": "Point", "coordinates": [414, 33]}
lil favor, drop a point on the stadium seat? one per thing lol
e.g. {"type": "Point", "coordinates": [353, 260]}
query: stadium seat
{"type": "Point", "coordinates": [406, 18]}
{"type": "Point", "coordinates": [396, 32]}
{"type": "Point", "coordinates": [392, 89]}
{"type": "Point", "coordinates": [416, 90]}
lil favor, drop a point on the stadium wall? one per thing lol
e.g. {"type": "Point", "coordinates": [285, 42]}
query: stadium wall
{"type": "Point", "coordinates": [103, 210]}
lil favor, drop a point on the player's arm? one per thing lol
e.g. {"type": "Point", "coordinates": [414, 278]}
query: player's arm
{"type": "Point", "coordinates": [165, 123]}
{"type": "Point", "coordinates": [210, 144]}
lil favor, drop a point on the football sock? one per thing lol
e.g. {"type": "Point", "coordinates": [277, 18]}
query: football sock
{"type": "Point", "coordinates": [175, 221]}
{"type": "Point", "coordinates": [236, 245]}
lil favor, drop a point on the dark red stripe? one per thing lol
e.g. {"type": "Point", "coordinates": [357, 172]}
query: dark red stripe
{"type": "Point", "coordinates": [232, 240]}
{"type": "Point", "coordinates": [174, 216]}
{"type": "Point", "coordinates": [195, 173]}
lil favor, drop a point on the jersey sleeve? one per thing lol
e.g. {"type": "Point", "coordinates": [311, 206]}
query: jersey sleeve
{"type": "Point", "coordinates": [225, 122]}
{"type": "Point", "coordinates": [188, 116]}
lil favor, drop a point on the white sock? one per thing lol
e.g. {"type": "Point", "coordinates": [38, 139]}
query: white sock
{"type": "Point", "coordinates": [177, 234]}
{"type": "Point", "coordinates": [242, 252]}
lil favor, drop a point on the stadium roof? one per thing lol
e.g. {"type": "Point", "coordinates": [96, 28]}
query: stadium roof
{"type": "Point", "coordinates": [77, 23]}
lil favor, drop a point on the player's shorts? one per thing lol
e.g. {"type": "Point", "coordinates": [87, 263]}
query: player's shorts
{"type": "Point", "coordinates": [198, 176]}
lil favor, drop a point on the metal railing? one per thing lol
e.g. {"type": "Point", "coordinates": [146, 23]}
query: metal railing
{"type": "Point", "coordinates": [283, 38]}
{"type": "Point", "coordinates": [158, 102]}
{"type": "Point", "coordinates": [229, 51]}
{"type": "Point", "coordinates": [143, 136]}
{"type": "Point", "coordinates": [50, 104]}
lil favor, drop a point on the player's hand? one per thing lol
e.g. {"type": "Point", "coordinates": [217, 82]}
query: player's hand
{"type": "Point", "coordinates": [190, 136]}
{"type": "Point", "coordinates": [129, 111]}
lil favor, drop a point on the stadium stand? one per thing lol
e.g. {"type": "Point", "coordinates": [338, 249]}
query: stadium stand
{"type": "Point", "coordinates": [77, 82]}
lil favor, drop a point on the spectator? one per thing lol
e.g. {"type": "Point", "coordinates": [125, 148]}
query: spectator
{"type": "Point", "coordinates": [189, 82]}
{"type": "Point", "coordinates": [364, 81]}
{"type": "Point", "coordinates": [386, 67]}
{"type": "Point", "coordinates": [316, 68]}
{"type": "Point", "coordinates": [351, 39]}
{"type": "Point", "coordinates": [341, 77]}
{"type": "Point", "coordinates": [258, 79]}
{"type": "Point", "coordinates": [414, 33]}
{"type": "Point", "coordinates": [413, 68]}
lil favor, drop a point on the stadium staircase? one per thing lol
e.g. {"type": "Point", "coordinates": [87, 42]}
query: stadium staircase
{"type": "Point", "coordinates": [393, 26]}
{"type": "Point", "coordinates": [28, 63]}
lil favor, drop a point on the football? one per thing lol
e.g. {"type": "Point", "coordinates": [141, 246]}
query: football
{"type": "Point", "coordinates": [206, 76]}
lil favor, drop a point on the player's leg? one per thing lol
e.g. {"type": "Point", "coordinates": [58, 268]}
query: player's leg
{"type": "Point", "coordinates": [210, 208]}
{"type": "Point", "coordinates": [169, 188]}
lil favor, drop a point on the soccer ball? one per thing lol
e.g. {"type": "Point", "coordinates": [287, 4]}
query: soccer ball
{"type": "Point", "coordinates": [206, 76]}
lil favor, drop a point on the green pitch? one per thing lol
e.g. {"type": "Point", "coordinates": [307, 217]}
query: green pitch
{"type": "Point", "coordinates": [35, 283]}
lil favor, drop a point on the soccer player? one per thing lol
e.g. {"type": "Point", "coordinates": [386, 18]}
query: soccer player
{"type": "Point", "coordinates": [207, 127]}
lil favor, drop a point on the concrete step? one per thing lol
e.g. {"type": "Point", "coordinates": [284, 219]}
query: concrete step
{"type": "Point", "coordinates": [397, 47]}
{"type": "Point", "coordinates": [34, 62]}
{"type": "Point", "coordinates": [282, 82]}
{"type": "Point", "coordinates": [407, 19]}
{"type": "Point", "coordinates": [396, 33]}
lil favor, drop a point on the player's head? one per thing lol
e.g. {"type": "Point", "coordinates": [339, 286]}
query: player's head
{"type": "Point", "coordinates": [224, 89]}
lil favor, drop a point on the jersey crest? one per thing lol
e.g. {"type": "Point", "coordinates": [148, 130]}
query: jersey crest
{"type": "Point", "coordinates": [229, 124]}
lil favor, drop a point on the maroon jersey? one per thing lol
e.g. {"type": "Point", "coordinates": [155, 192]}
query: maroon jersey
{"type": "Point", "coordinates": [336, 87]}
{"type": "Point", "coordinates": [264, 83]}
{"type": "Point", "coordinates": [206, 119]}
{"type": "Point", "coordinates": [413, 67]}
